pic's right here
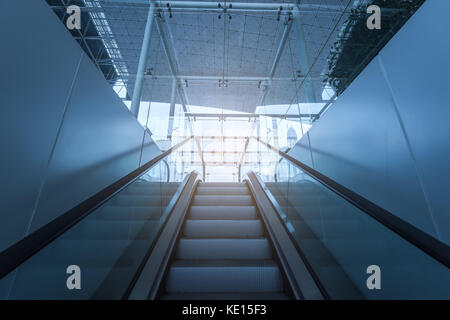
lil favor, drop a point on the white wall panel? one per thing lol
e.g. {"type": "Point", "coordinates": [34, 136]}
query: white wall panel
{"type": "Point", "coordinates": [38, 66]}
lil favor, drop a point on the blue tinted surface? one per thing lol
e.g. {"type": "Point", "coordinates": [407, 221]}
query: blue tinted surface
{"type": "Point", "coordinates": [341, 242]}
{"type": "Point", "coordinates": [108, 245]}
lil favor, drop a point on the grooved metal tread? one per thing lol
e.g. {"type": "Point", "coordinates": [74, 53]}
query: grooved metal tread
{"type": "Point", "coordinates": [227, 296]}
{"type": "Point", "coordinates": [223, 252]}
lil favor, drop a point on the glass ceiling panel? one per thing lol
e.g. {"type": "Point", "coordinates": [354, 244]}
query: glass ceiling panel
{"type": "Point", "coordinates": [288, 66]}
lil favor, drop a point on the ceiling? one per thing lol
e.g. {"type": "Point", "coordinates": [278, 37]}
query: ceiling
{"type": "Point", "coordinates": [226, 59]}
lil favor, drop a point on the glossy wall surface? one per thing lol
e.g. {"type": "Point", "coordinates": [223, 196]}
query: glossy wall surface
{"type": "Point", "coordinates": [64, 133]}
{"type": "Point", "coordinates": [386, 137]}
{"type": "Point", "coordinates": [108, 245]}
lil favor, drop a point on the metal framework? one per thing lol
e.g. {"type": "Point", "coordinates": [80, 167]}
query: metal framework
{"type": "Point", "coordinates": [224, 116]}
{"type": "Point", "coordinates": [171, 58]}
{"type": "Point", "coordinates": [220, 6]}
{"type": "Point", "coordinates": [276, 60]}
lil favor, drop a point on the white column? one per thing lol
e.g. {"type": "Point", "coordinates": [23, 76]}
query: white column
{"type": "Point", "coordinates": [137, 92]}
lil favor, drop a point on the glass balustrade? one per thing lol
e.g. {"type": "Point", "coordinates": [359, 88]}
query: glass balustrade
{"type": "Point", "coordinates": [108, 245]}
{"type": "Point", "coordinates": [341, 242]}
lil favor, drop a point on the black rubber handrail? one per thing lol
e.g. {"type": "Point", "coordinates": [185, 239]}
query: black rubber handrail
{"type": "Point", "coordinates": [165, 217]}
{"type": "Point", "coordinates": [24, 249]}
{"type": "Point", "coordinates": [428, 244]}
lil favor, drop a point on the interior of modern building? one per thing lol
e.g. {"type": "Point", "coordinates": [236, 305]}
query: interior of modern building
{"type": "Point", "coordinates": [201, 150]}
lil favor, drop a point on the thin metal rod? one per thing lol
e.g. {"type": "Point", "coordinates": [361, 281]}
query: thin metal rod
{"type": "Point", "coordinates": [216, 78]}
{"type": "Point", "coordinates": [248, 115]}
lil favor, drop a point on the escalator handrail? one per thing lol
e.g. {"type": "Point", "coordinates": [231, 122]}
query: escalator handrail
{"type": "Point", "coordinates": [428, 244]}
{"type": "Point", "coordinates": [189, 180]}
{"type": "Point", "coordinates": [148, 279]}
{"type": "Point", "coordinates": [305, 284]}
{"type": "Point", "coordinates": [18, 253]}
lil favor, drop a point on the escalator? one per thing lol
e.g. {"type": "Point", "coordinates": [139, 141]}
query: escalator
{"type": "Point", "coordinates": [160, 233]}
{"type": "Point", "coordinates": [224, 251]}
{"type": "Point", "coordinates": [343, 236]}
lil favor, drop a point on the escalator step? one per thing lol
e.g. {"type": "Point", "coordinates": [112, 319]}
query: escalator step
{"type": "Point", "coordinates": [221, 200]}
{"type": "Point", "coordinates": [222, 184]}
{"type": "Point", "coordinates": [223, 212]}
{"type": "Point", "coordinates": [223, 228]}
{"type": "Point", "coordinates": [222, 191]}
{"type": "Point", "coordinates": [224, 249]}
{"type": "Point", "coordinates": [224, 276]}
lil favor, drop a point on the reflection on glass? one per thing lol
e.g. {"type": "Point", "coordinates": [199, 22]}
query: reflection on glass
{"type": "Point", "coordinates": [340, 242]}
{"type": "Point", "coordinates": [108, 245]}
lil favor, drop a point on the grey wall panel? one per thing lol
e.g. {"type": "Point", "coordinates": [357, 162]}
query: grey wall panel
{"type": "Point", "coordinates": [422, 100]}
{"type": "Point", "coordinates": [385, 138]}
{"type": "Point", "coordinates": [359, 143]}
{"type": "Point", "coordinates": [99, 141]}
{"type": "Point", "coordinates": [38, 67]}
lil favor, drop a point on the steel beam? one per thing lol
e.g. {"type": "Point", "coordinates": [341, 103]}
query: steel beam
{"type": "Point", "coordinates": [192, 6]}
{"type": "Point", "coordinates": [216, 152]}
{"type": "Point", "coordinates": [244, 115]}
{"type": "Point", "coordinates": [211, 5]}
{"type": "Point", "coordinates": [137, 91]}
{"type": "Point", "coordinates": [226, 163]}
{"type": "Point", "coordinates": [217, 78]}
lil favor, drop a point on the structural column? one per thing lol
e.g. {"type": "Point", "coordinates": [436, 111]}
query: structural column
{"type": "Point", "coordinates": [137, 92]}
{"type": "Point", "coordinates": [304, 64]}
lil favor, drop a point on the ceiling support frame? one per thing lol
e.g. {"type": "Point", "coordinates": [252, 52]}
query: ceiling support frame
{"type": "Point", "coordinates": [217, 78]}
{"type": "Point", "coordinates": [224, 116]}
{"type": "Point", "coordinates": [213, 6]}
